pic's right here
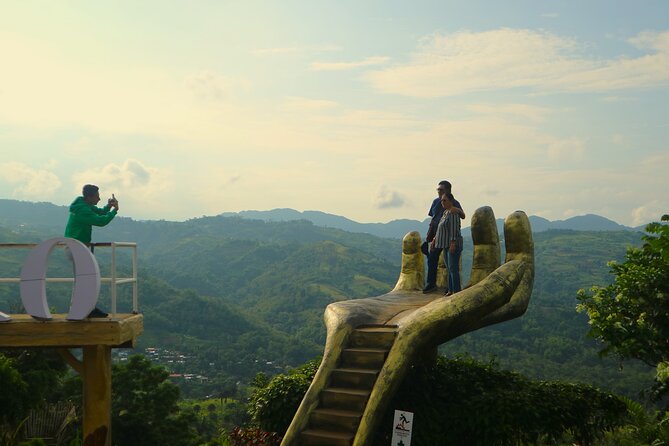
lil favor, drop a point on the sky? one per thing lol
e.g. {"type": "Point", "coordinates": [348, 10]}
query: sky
{"type": "Point", "coordinates": [355, 108]}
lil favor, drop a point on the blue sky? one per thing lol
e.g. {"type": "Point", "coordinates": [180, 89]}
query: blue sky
{"type": "Point", "coordinates": [185, 109]}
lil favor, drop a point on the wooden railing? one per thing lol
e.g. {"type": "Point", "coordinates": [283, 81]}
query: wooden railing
{"type": "Point", "coordinates": [114, 280]}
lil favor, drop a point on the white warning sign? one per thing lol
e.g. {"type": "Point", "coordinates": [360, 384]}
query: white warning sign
{"type": "Point", "coordinates": [402, 426]}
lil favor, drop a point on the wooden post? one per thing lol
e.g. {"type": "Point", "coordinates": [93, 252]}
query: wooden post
{"type": "Point", "coordinates": [97, 395]}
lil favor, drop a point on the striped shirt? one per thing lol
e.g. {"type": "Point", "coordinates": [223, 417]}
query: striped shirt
{"type": "Point", "coordinates": [448, 230]}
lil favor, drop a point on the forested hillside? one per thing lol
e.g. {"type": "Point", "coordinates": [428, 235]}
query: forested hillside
{"type": "Point", "coordinates": [239, 296]}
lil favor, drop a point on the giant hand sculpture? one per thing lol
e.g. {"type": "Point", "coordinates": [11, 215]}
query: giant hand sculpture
{"type": "Point", "coordinates": [495, 294]}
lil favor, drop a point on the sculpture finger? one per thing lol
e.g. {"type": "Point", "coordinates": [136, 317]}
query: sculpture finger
{"type": "Point", "coordinates": [518, 238]}
{"type": "Point", "coordinates": [519, 247]}
{"type": "Point", "coordinates": [486, 256]}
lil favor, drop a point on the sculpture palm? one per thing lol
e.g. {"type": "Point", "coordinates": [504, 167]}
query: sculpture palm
{"type": "Point", "coordinates": [494, 294]}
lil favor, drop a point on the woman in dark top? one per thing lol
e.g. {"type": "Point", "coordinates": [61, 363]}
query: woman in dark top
{"type": "Point", "coordinates": [449, 238]}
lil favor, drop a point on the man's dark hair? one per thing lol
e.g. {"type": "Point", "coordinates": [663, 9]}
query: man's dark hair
{"type": "Point", "coordinates": [90, 190]}
{"type": "Point", "coordinates": [446, 184]}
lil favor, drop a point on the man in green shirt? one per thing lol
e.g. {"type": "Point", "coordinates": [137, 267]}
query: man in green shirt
{"type": "Point", "coordinates": [84, 214]}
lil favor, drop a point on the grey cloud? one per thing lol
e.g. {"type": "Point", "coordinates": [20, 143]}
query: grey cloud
{"type": "Point", "coordinates": [387, 199]}
{"type": "Point", "coordinates": [138, 172]}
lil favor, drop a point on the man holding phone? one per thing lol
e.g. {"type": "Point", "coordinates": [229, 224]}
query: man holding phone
{"type": "Point", "coordinates": [84, 214]}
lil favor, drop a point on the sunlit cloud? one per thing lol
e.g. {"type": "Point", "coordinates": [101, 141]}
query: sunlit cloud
{"type": "Point", "coordinates": [339, 66]}
{"type": "Point", "coordinates": [277, 50]}
{"type": "Point", "coordinates": [617, 99]}
{"type": "Point", "coordinates": [371, 119]}
{"type": "Point", "coordinates": [297, 49]}
{"type": "Point", "coordinates": [618, 139]}
{"type": "Point", "coordinates": [129, 175]}
{"type": "Point", "coordinates": [29, 183]}
{"type": "Point", "coordinates": [649, 212]}
{"type": "Point", "coordinates": [300, 104]}
{"type": "Point", "coordinates": [566, 149]}
{"type": "Point", "coordinates": [464, 62]}
{"type": "Point", "coordinates": [211, 86]}
{"type": "Point", "coordinates": [530, 112]}
{"type": "Point", "coordinates": [135, 184]}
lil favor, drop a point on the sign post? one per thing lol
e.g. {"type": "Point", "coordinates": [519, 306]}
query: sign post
{"type": "Point", "coordinates": [402, 426]}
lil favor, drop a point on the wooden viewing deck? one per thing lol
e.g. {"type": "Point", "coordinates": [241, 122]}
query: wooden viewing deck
{"type": "Point", "coordinates": [96, 337]}
{"type": "Point", "coordinates": [25, 331]}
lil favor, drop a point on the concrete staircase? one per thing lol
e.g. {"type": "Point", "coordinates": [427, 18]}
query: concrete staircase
{"type": "Point", "coordinates": [336, 419]}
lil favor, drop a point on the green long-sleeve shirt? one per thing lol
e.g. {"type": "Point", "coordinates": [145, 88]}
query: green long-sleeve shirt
{"type": "Point", "coordinates": [84, 216]}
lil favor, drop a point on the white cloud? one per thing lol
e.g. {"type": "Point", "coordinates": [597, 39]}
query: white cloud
{"type": "Point", "coordinates": [28, 182]}
{"type": "Point", "coordinates": [339, 66]}
{"type": "Point", "coordinates": [370, 119]}
{"type": "Point", "coordinates": [277, 50]}
{"type": "Point", "coordinates": [298, 104]}
{"type": "Point", "coordinates": [213, 86]}
{"type": "Point", "coordinates": [386, 198]}
{"type": "Point", "coordinates": [566, 149]}
{"type": "Point", "coordinates": [649, 212]}
{"type": "Point", "coordinates": [618, 139]}
{"type": "Point", "coordinates": [617, 99]}
{"type": "Point", "coordinates": [135, 185]}
{"type": "Point", "coordinates": [458, 63]}
{"type": "Point", "coordinates": [550, 15]}
{"type": "Point", "coordinates": [129, 175]}
{"type": "Point", "coordinates": [530, 112]}
{"type": "Point", "coordinates": [297, 49]}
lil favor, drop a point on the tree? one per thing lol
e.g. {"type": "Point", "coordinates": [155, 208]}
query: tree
{"type": "Point", "coordinates": [631, 315]}
{"type": "Point", "coordinates": [14, 394]}
{"type": "Point", "coordinates": [144, 407]}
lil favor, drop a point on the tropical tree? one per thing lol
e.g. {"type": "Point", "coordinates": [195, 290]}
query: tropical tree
{"type": "Point", "coordinates": [631, 315]}
{"type": "Point", "coordinates": [144, 407]}
{"type": "Point", "coordinates": [14, 394]}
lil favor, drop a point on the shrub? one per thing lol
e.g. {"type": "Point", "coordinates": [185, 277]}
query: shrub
{"type": "Point", "coordinates": [464, 402]}
{"type": "Point", "coordinates": [272, 407]}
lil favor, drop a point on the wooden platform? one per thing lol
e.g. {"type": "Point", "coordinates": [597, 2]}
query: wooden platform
{"type": "Point", "coordinates": [24, 331]}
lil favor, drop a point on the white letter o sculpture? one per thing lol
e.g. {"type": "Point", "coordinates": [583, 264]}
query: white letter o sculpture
{"type": "Point", "coordinates": [86, 280]}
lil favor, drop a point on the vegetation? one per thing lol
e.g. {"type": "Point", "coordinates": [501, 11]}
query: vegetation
{"type": "Point", "coordinates": [273, 403]}
{"type": "Point", "coordinates": [145, 409]}
{"type": "Point", "coordinates": [631, 315]}
{"type": "Point", "coordinates": [464, 402]}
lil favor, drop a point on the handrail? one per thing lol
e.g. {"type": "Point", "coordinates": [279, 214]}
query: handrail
{"type": "Point", "coordinates": [114, 280]}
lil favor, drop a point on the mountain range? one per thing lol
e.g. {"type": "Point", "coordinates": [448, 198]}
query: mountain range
{"type": "Point", "coordinates": [398, 228]}
{"type": "Point", "coordinates": [14, 212]}
{"type": "Point", "coordinates": [240, 295]}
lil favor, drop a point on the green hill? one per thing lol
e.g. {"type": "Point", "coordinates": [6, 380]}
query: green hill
{"type": "Point", "coordinates": [249, 295]}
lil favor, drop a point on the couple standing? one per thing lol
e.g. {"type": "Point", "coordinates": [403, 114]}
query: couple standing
{"type": "Point", "coordinates": [444, 235]}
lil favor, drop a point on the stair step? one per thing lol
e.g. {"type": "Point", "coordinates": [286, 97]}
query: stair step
{"type": "Point", "coordinates": [365, 358]}
{"type": "Point", "coordinates": [379, 336]}
{"type": "Point", "coordinates": [354, 378]}
{"type": "Point", "coordinates": [318, 437]}
{"type": "Point", "coordinates": [335, 419]}
{"type": "Point", "coordinates": [344, 398]}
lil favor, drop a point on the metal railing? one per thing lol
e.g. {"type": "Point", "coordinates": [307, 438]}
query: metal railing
{"type": "Point", "coordinates": [114, 280]}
